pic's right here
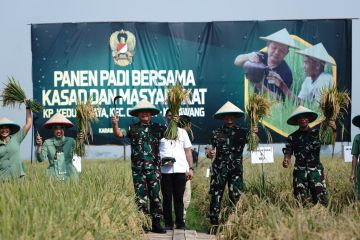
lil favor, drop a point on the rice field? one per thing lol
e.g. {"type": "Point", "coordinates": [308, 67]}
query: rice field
{"type": "Point", "coordinates": [101, 205]}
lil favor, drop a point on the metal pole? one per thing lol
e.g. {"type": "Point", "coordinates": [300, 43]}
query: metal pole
{"type": "Point", "coordinates": [32, 143]}
{"type": "Point", "coordinates": [124, 151]}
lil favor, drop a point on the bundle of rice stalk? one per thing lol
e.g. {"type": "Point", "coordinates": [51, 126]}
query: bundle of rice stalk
{"type": "Point", "coordinates": [85, 115]}
{"type": "Point", "coordinates": [13, 94]}
{"type": "Point", "coordinates": [258, 107]}
{"type": "Point", "coordinates": [176, 95]}
{"type": "Point", "coordinates": [332, 104]}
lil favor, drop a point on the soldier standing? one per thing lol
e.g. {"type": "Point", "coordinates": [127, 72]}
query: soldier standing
{"type": "Point", "coordinates": [304, 143]}
{"type": "Point", "coordinates": [228, 142]}
{"type": "Point", "coordinates": [145, 160]}
{"type": "Point", "coordinates": [355, 167]}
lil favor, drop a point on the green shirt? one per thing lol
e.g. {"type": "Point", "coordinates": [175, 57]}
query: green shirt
{"type": "Point", "coordinates": [60, 167]}
{"type": "Point", "coordinates": [355, 150]}
{"type": "Point", "coordinates": [10, 161]}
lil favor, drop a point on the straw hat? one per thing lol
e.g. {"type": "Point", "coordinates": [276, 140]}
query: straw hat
{"type": "Point", "coordinates": [302, 112]}
{"type": "Point", "coordinates": [14, 127]}
{"type": "Point", "coordinates": [143, 105]}
{"type": "Point", "coordinates": [58, 119]}
{"type": "Point", "coordinates": [356, 121]}
{"type": "Point", "coordinates": [228, 109]}
{"type": "Point", "coordinates": [318, 52]}
{"type": "Point", "coordinates": [282, 37]}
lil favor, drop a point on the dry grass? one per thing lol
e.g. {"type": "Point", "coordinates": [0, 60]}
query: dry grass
{"type": "Point", "coordinates": [85, 116]}
{"type": "Point", "coordinates": [100, 206]}
{"type": "Point", "coordinates": [332, 104]}
{"type": "Point", "coordinates": [272, 213]}
{"type": "Point", "coordinates": [176, 95]}
{"type": "Point", "coordinates": [258, 107]}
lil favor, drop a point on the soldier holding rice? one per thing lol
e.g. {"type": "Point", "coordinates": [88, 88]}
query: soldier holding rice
{"type": "Point", "coordinates": [305, 145]}
{"type": "Point", "coordinates": [145, 160]}
{"type": "Point", "coordinates": [228, 142]}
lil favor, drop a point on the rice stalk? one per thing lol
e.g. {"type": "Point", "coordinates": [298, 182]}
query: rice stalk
{"type": "Point", "coordinates": [332, 105]}
{"type": "Point", "coordinates": [13, 94]}
{"type": "Point", "coordinates": [258, 107]}
{"type": "Point", "coordinates": [85, 116]}
{"type": "Point", "coordinates": [176, 95]}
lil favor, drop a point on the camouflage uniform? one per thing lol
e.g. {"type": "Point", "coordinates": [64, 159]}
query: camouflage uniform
{"type": "Point", "coordinates": [145, 165]}
{"type": "Point", "coordinates": [308, 170]}
{"type": "Point", "coordinates": [227, 167]}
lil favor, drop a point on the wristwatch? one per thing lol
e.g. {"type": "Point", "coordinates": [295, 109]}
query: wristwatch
{"type": "Point", "coordinates": [191, 168]}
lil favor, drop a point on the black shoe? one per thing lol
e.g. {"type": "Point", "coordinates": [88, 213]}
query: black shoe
{"type": "Point", "coordinates": [157, 228]}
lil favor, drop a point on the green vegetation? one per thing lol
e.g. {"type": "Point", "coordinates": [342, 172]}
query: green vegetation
{"type": "Point", "coordinates": [101, 205]}
{"type": "Point", "coordinates": [272, 212]}
{"type": "Point", "coordinates": [13, 95]}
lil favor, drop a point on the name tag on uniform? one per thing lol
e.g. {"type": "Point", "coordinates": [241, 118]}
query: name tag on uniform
{"type": "Point", "coordinates": [76, 161]}
{"type": "Point", "coordinates": [347, 154]}
{"type": "Point", "coordinates": [262, 155]}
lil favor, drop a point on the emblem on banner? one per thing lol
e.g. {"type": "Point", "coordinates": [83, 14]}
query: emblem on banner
{"type": "Point", "coordinates": [122, 44]}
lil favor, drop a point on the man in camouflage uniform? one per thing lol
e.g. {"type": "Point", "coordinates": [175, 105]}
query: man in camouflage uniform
{"type": "Point", "coordinates": [304, 143]}
{"type": "Point", "coordinates": [145, 159]}
{"type": "Point", "coordinates": [228, 142]}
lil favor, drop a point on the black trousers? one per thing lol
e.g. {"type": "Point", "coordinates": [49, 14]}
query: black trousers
{"type": "Point", "coordinates": [172, 188]}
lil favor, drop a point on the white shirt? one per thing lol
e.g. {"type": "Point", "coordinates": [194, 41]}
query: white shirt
{"type": "Point", "coordinates": [175, 149]}
{"type": "Point", "coordinates": [310, 91]}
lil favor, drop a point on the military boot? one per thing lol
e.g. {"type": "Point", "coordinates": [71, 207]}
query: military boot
{"type": "Point", "coordinates": [156, 226]}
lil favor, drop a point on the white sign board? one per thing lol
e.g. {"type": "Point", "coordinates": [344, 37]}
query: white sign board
{"type": "Point", "coordinates": [347, 154]}
{"type": "Point", "coordinates": [76, 161]}
{"type": "Point", "coordinates": [262, 155]}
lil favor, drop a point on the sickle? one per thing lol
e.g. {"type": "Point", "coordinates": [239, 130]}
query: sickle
{"type": "Point", "coordinates": [116, 98]}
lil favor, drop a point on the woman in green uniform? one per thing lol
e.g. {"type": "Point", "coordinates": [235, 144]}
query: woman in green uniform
{"type": "Point", "coordinates": [58, 150]}
{"type": "Point", "coordinates": [11, 136]}
{"type": "Point", "coordinates": [355, 151]}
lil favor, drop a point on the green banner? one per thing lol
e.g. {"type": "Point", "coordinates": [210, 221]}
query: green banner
{"type": "Point", "coordinates": [137, 61]}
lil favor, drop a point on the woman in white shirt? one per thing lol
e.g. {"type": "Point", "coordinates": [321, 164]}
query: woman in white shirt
{"type": "Point", "coordinates": [177, 156]}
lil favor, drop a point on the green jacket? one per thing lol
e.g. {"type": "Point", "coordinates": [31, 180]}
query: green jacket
{"type": "Point", "coordinates": [10, 161]}
{"type": "Point", "coordinates": [59, 153]}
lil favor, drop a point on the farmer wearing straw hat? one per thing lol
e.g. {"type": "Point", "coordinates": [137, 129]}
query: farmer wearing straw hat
{"type": "Point", "coordinates": [228, 142]}
{"type": "Point", "coordinates": [279, 76]}
{"type": "Point", "coordinates": [316, 79]}
{"type": "Point", "coordinates": [59, 149]}
{"type": "Point", "coordinates": [355, 151]}
{"type": "Point", "coordinates": [11, 136]}
{"type": "Point", "coordinates": [145, 160]}
{"type": "Point", "coordinates": [304, 143]}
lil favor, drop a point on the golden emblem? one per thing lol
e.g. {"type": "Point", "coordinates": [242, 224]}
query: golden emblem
{"type": "Point", "coordinates": [122, 44]}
